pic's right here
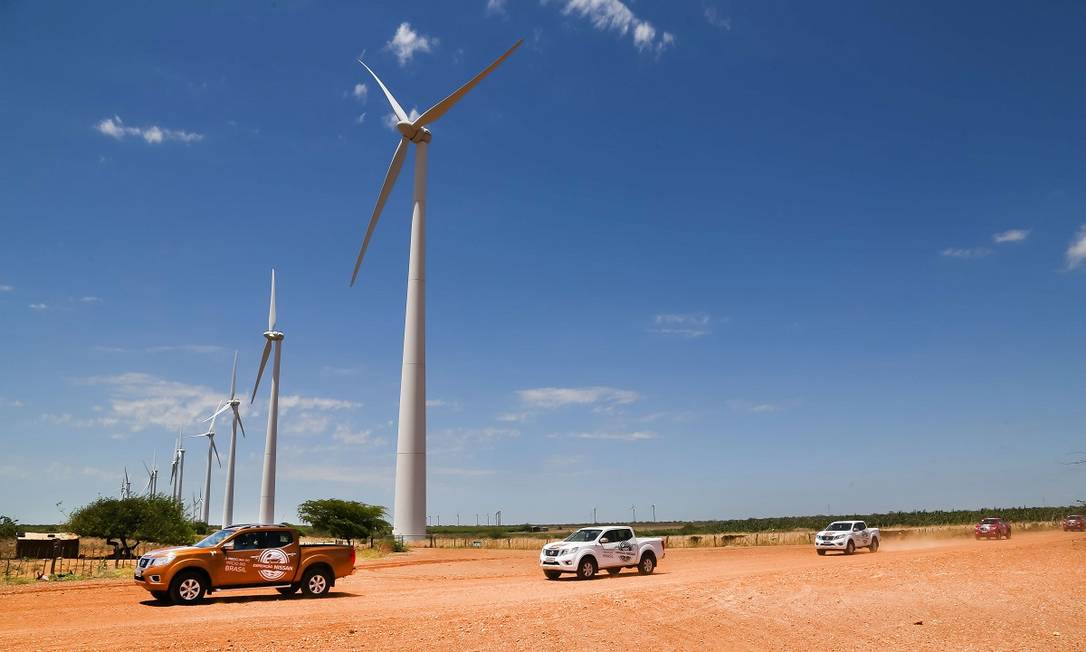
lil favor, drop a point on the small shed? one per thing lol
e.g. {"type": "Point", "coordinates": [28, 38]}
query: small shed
{"type": "Point", "coordinates": [46, 545]}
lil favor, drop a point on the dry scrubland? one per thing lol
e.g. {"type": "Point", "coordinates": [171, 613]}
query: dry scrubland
{"type": "Point", "coordinates": [916, 594]}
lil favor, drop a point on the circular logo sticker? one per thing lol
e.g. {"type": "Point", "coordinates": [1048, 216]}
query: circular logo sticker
{"type": "Point", "coordinates": [272, 564]}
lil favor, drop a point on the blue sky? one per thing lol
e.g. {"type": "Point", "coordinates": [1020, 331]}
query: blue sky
{"type": "Point", "coordinates": [731, 259]}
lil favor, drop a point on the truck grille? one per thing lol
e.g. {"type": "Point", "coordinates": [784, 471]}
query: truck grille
{"type": "Point", "coordinates": [551, 553]}
{"type": "Point", "coordinates": [144, 562]}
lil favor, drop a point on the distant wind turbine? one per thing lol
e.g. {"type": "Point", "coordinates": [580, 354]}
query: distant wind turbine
{"type": "Point", "coordinates": [126, 486]}
{"type": "Point", "coordinates": [152, 475]}
{"type": "Point", "coordinates": [267, 478]}
{"type": "Point", "coordinates": [210, 435]}
{"type": "Point", "coordinates": [232, 404]}
{"type": "Point", "coordinates": [409, 513]}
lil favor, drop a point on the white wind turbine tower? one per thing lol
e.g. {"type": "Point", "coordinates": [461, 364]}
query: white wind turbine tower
{"type": "Point", "coordinates": [126, 486]}
{"type": "Point", "coordinates": [409, 509]}
{"type": "Point", "coordinates": [232, 404]}
{"type": "Point", "coordinates": [267, 478]}
{"type": "Point", "coordinates": [173, 469]}
{"type": "Point", "coordinates": [210, 435]}
{"type": "Point", "coordinates": [177, 467]}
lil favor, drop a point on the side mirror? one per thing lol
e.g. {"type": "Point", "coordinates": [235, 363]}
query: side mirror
{"type": "Point", "coordinates": [605, 540]}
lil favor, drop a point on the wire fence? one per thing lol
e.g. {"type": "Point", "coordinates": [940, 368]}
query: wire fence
{"type": "Point", "coordinates": [94, 560]}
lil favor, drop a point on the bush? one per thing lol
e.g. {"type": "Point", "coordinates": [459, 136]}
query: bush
{"type": "Point", "coordinates": [8, 527]}
{"type": "Point", "coordinates": [125, 523]}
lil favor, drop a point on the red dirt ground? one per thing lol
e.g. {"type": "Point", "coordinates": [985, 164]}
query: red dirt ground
{"type": "Point", "coordinates": [1028, 593]}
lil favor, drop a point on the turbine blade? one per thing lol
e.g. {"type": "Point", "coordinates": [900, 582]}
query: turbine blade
{"type": "Point", "coordinates": [234, 377]}
{"type": "Point", "coordinates": [390, 180]}
{"type": "Point", "coordinates": [263, 361]}
{"type": "Point", "coordinates": [439, 109]}
{"type": "Point", "coordinates": [217, 412]}
{"type": "Point", "coordinates": [271, 305]}
{"type": "Point", "coordinates": [388, 94]}
{"type": "Point", "coordinates": [237, 417]}
{"type": "Point", "coordinates": [216, 451]}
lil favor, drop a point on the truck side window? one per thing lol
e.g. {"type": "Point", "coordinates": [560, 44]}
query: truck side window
{"type": "Point", "coordinates": [248, 541]}
{"type": "Point", "coordinates": [613, 536]}
{"type": "Point", "coordinates": [626, 535]}
{"type": "Point", "coordinates": [279, 539]}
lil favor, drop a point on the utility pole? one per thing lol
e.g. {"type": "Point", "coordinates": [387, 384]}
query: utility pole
{"type": "Point", "coordinates": [654, 512]}
{"type": "Point", "coordinates": [634, 509]}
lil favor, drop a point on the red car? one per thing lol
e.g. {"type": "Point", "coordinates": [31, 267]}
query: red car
{"type": "Point", "coordinates": [1074, 523]}
{"type": "Point", "coordinates": [992, 528]}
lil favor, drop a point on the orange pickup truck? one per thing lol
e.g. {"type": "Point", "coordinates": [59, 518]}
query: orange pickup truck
{"type": "Point", "coordinates": [244, 557]}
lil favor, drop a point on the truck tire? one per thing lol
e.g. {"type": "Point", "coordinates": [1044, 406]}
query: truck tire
{"type": "Point", "coordinates": [821, 552]}
{"type": "Point", "coordinates": [161, 596]}
{"type": "Point", "coordinates": [552, 575]}
{"type": "Point", "coordinates": [188, 587]}
{"type": "Point", "coordinates": [874, 547]}
{"type": "Point", "coordinates": [586, 568]}
{"type": "Point", "coordinates": [1008, 534]}
{"type": "Point", "coordinates": [288, 590]}
{"type": "Point", "coordinates": [850, 547]}
{"type": "Point", "coordinates": [614, 571]}
{"type": "Point", "coordinates": [647, 564]}
{"type": "Point", "coordinates": [316, 582]}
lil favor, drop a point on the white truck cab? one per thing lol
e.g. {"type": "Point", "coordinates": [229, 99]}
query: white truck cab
{"type": "Point", "coordinates": [601, 547]}
{"type": "Point", "coordinates": [847, 536]}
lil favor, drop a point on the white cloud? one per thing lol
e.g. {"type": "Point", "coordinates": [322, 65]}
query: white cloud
{"type": "Point", "coordinates": [688, 325]}
{"type": "Point", "coordinates": [11, 402]}
{"type": "Point", "coordinates": [1012, 235]}
{"type": "Point", "coordinates": [740, 405]}
{"type": "Point", "coordinates": [975, 252]}
{"type": "Point", "coordinates": [391, 118]}
{"type": "Point", "coordinates": [495, 6]}
{"type": "Point", "coordinates": [115, 128]}
{"type": "Point", "coordinates": [613, 15]}
{"type": "Point", "coordinates": [514, 417]}
{"type": "Point", "coordinates": [7, 288]}
{"type": "Point", "coordinates": [168, 348]}
{"type": "Point", "coordinates": [406, 42]}
{"type": "Point", "coordinates": [554, 397]}
{"type": "Point", "coordinates": [441, 403]}
{"type": "Point", "coordinates": [90, 300]}
{"type": "Point", "coordinates": [139, 400]}
{"type": "Point", "coordinates": [460, 472]}
{"type": "Point", "coordinates": [348, 474]}
{"type": "Point", "coordinates": [640, 435]}
{"type": "Point", "coordinates": [360, 119]}
{"type": "Point", "coordinates": [1076, 251]}
{"type": "Point", "coordinates": [716, 20]}
{"type": "Point", "coordinates": [39, 306]}
{"type": "Point", "coordinates": [360, 92]}
{"type": "Point", "coordinates": [347, 435]}
{"type": "Point", "coordinates": [294, 401]}
{"type": "Point", "coordinates": [65, 419]}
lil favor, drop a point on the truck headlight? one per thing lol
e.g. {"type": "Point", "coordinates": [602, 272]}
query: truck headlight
{"type": "Point", "coordinates": [162, 561]}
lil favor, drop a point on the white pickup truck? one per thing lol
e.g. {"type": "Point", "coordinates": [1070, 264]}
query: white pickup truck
{"type": "Point", "coordinates": [601, 547]}
{"type": "Point", "coordinates": [847, 536]}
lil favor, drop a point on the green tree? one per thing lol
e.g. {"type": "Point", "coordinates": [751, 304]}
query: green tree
{"type": "Point", "coordinates": [345, 519]}
{"type": "Point", "coordinates": [125, 523]}
{"type": "Point", "coordinates": [8, 527]}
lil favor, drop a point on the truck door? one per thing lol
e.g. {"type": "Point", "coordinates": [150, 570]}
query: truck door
{"type": "Point", "coordinates": [862, 536]}
{"type": "Point", "coordinates": [608, 546]}
{"type": "Point", "coordinates": [239, 556]}
{"type": "Point", "coordinates": [277, 560]}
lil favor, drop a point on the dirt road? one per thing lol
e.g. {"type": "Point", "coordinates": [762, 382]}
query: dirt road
{"type": "Point", "coordinates": [1025, 593]}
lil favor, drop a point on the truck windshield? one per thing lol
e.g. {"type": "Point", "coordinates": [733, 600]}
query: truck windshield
{"type": "Point", "coordinates": [584, 535]}
{"type": "Point", "coordinates": [215, 539]}
{"type": "Point", "coordinates": [841, 526]}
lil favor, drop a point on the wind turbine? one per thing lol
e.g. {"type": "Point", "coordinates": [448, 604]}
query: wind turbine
{"type": "Point", "coordinates": [152, 475]}
{"type": "Point", "coordinates": [210, 435]}
{"type": "Point", "coordinates": [409, 513]}
{"type": "Point", "coordinates": [232, 404]}
{"type": "Point", "coordinates": [173, 469]}
{"type": "Point", "coordinates": [126, 486]}
{"type": "Point", "coordinates": [267, 478]}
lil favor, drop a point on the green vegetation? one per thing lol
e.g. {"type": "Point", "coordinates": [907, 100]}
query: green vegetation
{"type": "Point", "coordinates": [124, 523]}
{"type": "Point", "coordinates": [8, 527]}
{"type": "Point", "coordinates": [345, 519]}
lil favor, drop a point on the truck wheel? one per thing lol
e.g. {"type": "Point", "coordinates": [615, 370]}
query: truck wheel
{"type": "Point", "coordinates": [161, 596]}
{"type": "Point", "coordinates": [552, 575]}
{"type": "Point", "coordinates": [586, 570]}
{"type": "Point", "coordinates": [850, 547]}
{"type": "Point", "coordinates": [316, 582]}
{"type": "Point", "coordinates": [874, 547]}
{"type": "Point", "coordinates": [614, 571]}
{"type": "Point", "coordinates": [288, 590]}
{"type": "Point", "coordinates": [1008, 534]}
{"type": "Point", "coordinates": [189, 587]}
{"type": "Point", "coordinates": [821, 552]}
{"type": "Point", "coordinates": [647, 565]}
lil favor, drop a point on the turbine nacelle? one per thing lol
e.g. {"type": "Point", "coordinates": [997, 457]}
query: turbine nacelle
{"type": "Point", "coordinates": [413, 132]}
{"type": "Point", "coordinates": [273, 335]}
